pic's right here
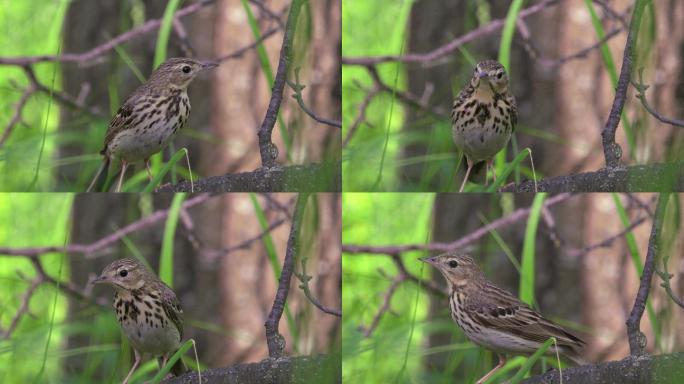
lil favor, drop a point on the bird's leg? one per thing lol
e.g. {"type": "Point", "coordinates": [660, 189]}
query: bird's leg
{"type": "Point", "coordinates": [502, 361]}
{"type": "Point", "coordinates": [470, 167]}
{"type": "Point", "coordinates": [490, 165]}
{"type": "Point", "coordinates": [149, 171]}
{"type": "Point", "coordinates": [135, 365]}
{"type": "Point", "coordinates": [124, 165]}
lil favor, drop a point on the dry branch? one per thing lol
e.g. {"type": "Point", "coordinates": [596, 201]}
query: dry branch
{"type": "Point", "coordinates": [631, 370]}
{"type": "Point", "coordinates": [285, 370]}
{"type": "Point", "coordinates": [662, 177]}
{"type": "Point", "coordinates": [294, 178]}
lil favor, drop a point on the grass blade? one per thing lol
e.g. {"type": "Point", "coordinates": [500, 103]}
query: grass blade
{"type": "Point", "coordinates": [527, 264]}
{"type": "Point", "coordinates": [166, 259]}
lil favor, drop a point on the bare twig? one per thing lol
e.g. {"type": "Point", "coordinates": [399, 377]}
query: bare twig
{"type": "Point", "coordinates": [641, 89]}
{"type": "Point", "coordinates": [268, 150]}
{"type": "Point", "coordinates": [611, 150]}
{"type": "Point", "coordinates": [450, 47]}
{"type": "Point", "coordinates": [297, 87]}
{"type": "Point", "coordinates": [90, 249]}
{"type": "Point", "coordinates": [398, 279]}
{"type": "Point", "coordinates": [361, 117]}
{"type": "Point", "coordinates": [16, 118]}
{"type": "Point", "coordinates": [608, 241]}
{"type": "Point", "coordinates": [23, 308]}
{"type": "Point", "coordinates": [637, 340]}
{"type": "Point", "coordinates": [514, 217]}
{"type": "Point", "coordinates": [100, 50]}
{"type": "Point", "coordinates": [304, 280]}
{"type": "Point", "coordinates": [275, 341]}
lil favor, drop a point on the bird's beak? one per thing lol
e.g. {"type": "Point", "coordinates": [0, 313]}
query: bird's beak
{"type": "Point", "coordinates": [99, 279]}
{"type": "Point", "coordinates": [429, 260]}
{"type": "Point", "coordinates": [210, 64]}
{"type": "Point", "coordinates": [482, 74]}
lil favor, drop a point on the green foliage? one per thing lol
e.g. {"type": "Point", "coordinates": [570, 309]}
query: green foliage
{"type": "Point", "coordinates": [39, 34]}
{"type": "Point", "coordinates": [21, 356]}
{"type": "Point", "coordinates": [527, 270]}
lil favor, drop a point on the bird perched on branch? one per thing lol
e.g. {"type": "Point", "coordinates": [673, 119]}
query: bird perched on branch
{"type": "Point", "coordinates": [150, 117]}
{"type": "Point", "coordinates": [484, 116]}
{"type": "Point", "coordinates": [147, 310]}
{"type": "Point", "coordinates": [495, 319]}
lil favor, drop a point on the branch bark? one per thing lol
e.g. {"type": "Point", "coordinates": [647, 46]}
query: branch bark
{"type": "Point", "coordinates": [276, 342]}
{"type": "Point", "coordinates": [611, 150]}
{"type": "Point", "coordinates": [631, 370]}
{"type": "Point", "coordinates": [268, 150]}
{"type": "Point", "coordinates": [662, 177]}
{"type": "Point", "coordinates": [295, 178]}
{"type": "Point", "coordinates": [285, 370]}
{"type": "Point", "coordinates": [637, 340]}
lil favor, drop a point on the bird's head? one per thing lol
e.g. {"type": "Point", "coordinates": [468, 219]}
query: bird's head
{"type": "Point", "coordinates": [490, 73]}
{"type": "Point", "coordinates": [179, 72]}
{"type": "Point", "coordinates": [458, 268]}
{"type": "Point", "coordinates": [127, 274]}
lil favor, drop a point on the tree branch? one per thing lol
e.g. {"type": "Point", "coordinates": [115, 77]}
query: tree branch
{"type": "Point", "coordinates": [285, 370]}
{"type": "Point", "coordinates": [663, 177]}
{"type": "Point", "coordinates": [641, 95]}
{"type": "Point", "coordinates": [611, 150]}
{"type": "Point", "coordinates": [631, 370]}
{"type": "Point", "coordinates": [268, 150]}
{"type": "Point", "coordinates": [276, 342]}
{"type": "Point", "coordinates": [294, 178]}
{"type": "Point", "coordinates": [637, 340]}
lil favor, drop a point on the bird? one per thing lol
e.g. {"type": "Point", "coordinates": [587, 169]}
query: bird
{"type": "Point", "coordinates": [150, 117]}
{"type": "Point", "coordinates": [484, 116]}
{"type": "Point", "coordinates": [494, 318]}
{"type": "Point", "coordinates": [147, 310]}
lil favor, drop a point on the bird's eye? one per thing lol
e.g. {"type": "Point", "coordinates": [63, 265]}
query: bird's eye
{"type": "Point", "coordinates": [499, 75]}
{"type": "Point", "coordinates": [453, 263]}
{"type": "Point", "coordinates": [186, 69]}
{"type": "Point", "coordinates": [123, 273]}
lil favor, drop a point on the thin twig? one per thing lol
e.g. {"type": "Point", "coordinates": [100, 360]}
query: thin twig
{"type": "Point", "coordinates": [304, 280]}
{"type": "Point", "coordinates": [90, 249]}
{"type": "Point", "coordinates": [450, 47]}
{"type": "Point", "coordinates": [641, 95]}
{"type": "Point", "coordinates": [100, 50]}
{"type": "Point", "coordinates": [297, 87]}
{"type": "Point", "coordinates": [512, 218]}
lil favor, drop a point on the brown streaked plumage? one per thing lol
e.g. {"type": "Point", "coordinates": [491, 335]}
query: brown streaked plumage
{"type": "Point", "coordinates": [484, 115]}
{"type": "Point", "coordinates": [148, 311]}
{"type": "Point", "coordinates": [150, 117]}
{"type": "Point", "coordinates": [495, 319]}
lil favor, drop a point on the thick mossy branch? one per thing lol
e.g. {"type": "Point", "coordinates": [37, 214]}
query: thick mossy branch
{"type": "Point", "coordinates": [667, 177]}
{"type": "Point", "coordinates": [632, 370]}
{"type": "Point", "coordinates": [295, 178]}
{"type": "Point", "coordinates": [286, 370]}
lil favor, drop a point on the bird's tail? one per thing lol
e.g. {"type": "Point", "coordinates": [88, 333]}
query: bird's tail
{"type": "Point", "coordinates": [100, 177]}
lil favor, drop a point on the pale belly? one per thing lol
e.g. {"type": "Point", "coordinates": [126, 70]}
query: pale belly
{"type": "Point", "coordinates": [481, 137]}
{"type": "Point", "coordinates": [152, 340]}
{"type": "Point", "coordinates": [139, 143]}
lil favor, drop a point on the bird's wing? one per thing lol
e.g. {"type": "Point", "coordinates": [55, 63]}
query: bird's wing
{"type": "Point", "coordinates": [462, 97]}
{"type": "Point", "coordinates": [514, 111]}
{"type": "Point", "coordinates": [502, 311]}
{"type": "Point", "coordinates": [172, 307]}
{"type": "Point", "coordinates": [121, 119]}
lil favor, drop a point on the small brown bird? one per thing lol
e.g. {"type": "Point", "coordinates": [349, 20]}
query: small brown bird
{"type": "Point", "coordinates": [148, 311]}
{"type": "Point", "coordinates": [484, 116]}
{"type": "Point", "coordinates": [150, 117]}
{"type": "Point", "coordinates": [495, 319]}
